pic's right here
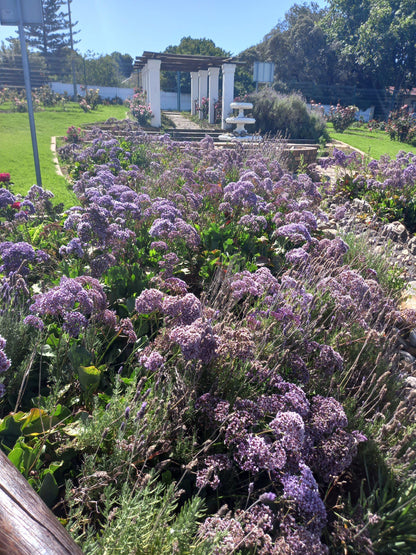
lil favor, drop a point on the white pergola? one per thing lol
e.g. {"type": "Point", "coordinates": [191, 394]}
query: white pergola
{"type": "Point", "coordinates": [204, 71]}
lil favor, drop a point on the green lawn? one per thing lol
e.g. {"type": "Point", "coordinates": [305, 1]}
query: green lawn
{"type": "Point", "coordinates": [16, 155]}
{"type": "Point", "coordinates": [373, 143]}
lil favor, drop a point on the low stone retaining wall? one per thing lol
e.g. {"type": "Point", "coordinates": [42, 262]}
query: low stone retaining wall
{"type": "Point", "coordinates": [299, 155]}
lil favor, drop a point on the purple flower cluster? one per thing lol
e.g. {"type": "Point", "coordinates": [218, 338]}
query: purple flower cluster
{"type": "Point", "coordinates": [295, 233]}
{"type": "Point", "coordinates": [246, 531]}
{"type": "Point", "coordinates": [149, 300]}
{"type": "Point", "coordinates": [254, 454]}
{"type": "Point", "coordinates": [255, 224]}
{"type": "Point", "coordinates": [256, 284]}
{"type": "Point", "coordinates": [6, 198]}
{"type": "Point", "coordinates": [152, 361]}
{"type": "Point", "coordinates": [351, 291]}
{"type": "Point", "coordinates": [303, 491]}
{"type": "Point", "coordinates": [208, 476]}
{"type": "Point", "coordinates": [241, 195]}
{"type": "Point", "coordinates": [182, 310]}
{"type": "Point", "coordinates": [76, 300]}
{"type": "Point", "coordinates": [4, 361]}
{"type": "Point", "coordinates": [340, 158]}
{"type": "Point", "coordinates": [331, 448]}
{"type": "Point", "coordinates": [17, 256]}
{"type": "Point", "coordinates": [197, 341]}
{"type": "Point", "coordinates": [297, 256]}
{"type": "Point", "coordinates": [163, 228]}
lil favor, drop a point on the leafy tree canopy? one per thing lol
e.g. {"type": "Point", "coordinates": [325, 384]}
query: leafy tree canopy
{"type": "Point", "coordinates": [376, 39]}
{"type": "Point", "coordinates": [299, 48]}
{"type": "Point", "coordinates": [107, 70]}
{"type": "Point", "coordinates": [190, 46]}
{"type": "Point", "coordinates": [200, 47]}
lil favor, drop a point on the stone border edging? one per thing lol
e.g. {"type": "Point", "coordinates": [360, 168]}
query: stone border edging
{"type": "Point", "coordinates": [55, 157]}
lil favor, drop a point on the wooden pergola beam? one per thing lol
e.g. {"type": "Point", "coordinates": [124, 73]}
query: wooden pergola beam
{"type": "Point", "coordinates": [27, 526]}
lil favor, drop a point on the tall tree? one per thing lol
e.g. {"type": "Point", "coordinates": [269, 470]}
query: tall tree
{"type": "Point", "coordinates": [300, 49]}
{"type": "Point", "coordinates": [107, 70]}
{"type": "Point", "coordinates": [52, 39]}
{"type": "Point", "coordinates": [376, 39]}
{"type": "Point", "coordinates": [196, 47]}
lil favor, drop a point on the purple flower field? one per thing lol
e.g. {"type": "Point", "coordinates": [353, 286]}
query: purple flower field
{"type": "Point", "coordinates": [188, 365]}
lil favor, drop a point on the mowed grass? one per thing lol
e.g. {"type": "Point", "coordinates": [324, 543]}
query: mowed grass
{"type": "Point", "coordinates": [16, 154]}
{"type": "Point", "coordinates": [374, 143]}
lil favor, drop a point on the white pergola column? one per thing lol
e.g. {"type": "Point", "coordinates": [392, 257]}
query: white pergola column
{"type": "Point", "coordinates": [143, 80]}
{"type": "Point", "coordinates": [194, 91]}
{"type": "Point", "coordinates": [203, 87]}
{"type": "Point", "coordinates": [213, 79]}
{"type": "Point", "coordinates": [153, 92]}
{"type": "Point", "coordinates": [228, 71]}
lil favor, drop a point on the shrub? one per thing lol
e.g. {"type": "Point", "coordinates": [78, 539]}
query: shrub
{"type": "Point", "coordinates": [91, 99]}
{"type": "Point", "coordinates": [73, 134]}
{"type": "Point", "coordinates": [342, 117]}
{"type": "Point", "coordinates": [138, 108]}
{"type": "Point", "coordinates": [401, 126]}
{"type": "Point", "coordinates": [287, 115]}
{"type": "Point", "coordinates": [47, 96]}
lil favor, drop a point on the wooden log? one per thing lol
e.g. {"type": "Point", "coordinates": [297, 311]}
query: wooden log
{"type": "Point", "coordinates": [27, 525]}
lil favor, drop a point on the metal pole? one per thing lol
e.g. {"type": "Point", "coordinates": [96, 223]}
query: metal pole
{"type": "Point", "coordinates": [74, 79]}
{"type": "Point", "coordinates": [178, 89]}
{"type": "Point", "coordinates": [26, 73]}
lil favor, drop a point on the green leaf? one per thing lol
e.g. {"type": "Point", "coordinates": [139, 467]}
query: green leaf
{"type": "Point", "coordinates": [79, 356]}
{"type": "Point", "coordinates": [38, 421]}
{"type": "Point", "coordinates": [49, 489]}
{"type": "Point", "coordinates": [10, 430]}
{"type": "Point", "coordinates": [16, 457]}
{"type": "Point", "coordinates": [47, 351]}
{"type": "Point", "coordinates": [89, 377]}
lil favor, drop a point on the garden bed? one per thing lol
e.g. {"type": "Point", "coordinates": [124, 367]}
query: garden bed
{"type": "Point", "coordinates": [192, 365]}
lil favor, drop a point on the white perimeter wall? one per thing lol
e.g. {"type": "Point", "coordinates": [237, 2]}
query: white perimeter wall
{"type": "Point", "coordinates": [365, 115]}
{"type": "Point", "coordinates": [168, 100]}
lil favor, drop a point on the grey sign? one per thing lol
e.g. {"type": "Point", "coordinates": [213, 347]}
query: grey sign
{"type": "Point", "coordinates": [31, 12]}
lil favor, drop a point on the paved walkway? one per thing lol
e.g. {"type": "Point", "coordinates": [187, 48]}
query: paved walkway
{"type": "Point", "coordinates": [181, 122]}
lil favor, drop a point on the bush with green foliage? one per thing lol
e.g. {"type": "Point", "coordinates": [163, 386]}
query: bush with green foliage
{"type": "Point", "coordinates": [286, 115]}
{"type": "Point", "coordinates": [342, 117]}
{"type": "Point", "coordinates": [139, 109]}
{"type": "Point", "coordinates": [401, 126]}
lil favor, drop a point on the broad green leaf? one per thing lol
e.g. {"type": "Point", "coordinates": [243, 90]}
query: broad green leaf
{"type": "Point", "coordinates": [49, 489]}
{"type": "Point", "coordinates": [89, 377]}
{"type": "Point", "coordinates": [16, 457]}
{"type": "Point", "coordinates": [10, 430]}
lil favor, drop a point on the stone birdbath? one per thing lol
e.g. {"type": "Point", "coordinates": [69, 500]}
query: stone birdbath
{"type": "Point", "coordinates": [240, 120]}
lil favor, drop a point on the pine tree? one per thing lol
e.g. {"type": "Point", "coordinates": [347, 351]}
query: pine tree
{"type": "Point", "coordinates": [52, 39]}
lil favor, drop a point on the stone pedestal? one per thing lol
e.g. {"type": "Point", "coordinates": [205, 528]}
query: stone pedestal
{"type": "Point", "coordinates": [239, 133]}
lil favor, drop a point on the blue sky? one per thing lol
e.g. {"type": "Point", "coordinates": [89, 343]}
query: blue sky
{"type": "Point", "coordinates": [132, 26]}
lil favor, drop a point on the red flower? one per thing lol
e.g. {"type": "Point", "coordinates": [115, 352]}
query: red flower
{"type": "Point", "coordinates": [16, 205]}
{"type": "Point", "coordinates": [4, 177]}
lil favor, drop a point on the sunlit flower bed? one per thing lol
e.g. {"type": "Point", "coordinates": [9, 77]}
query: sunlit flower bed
{"type": "Point", "coordinates": [189, 367]}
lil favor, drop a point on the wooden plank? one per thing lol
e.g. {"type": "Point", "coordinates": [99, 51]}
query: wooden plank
{"type": "Point", "coordinates": [27, 525]}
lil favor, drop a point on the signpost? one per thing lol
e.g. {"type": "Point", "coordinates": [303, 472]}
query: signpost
{"type": "Point", "coordinates": [263, 72]}
{"type": "Point", "coordinates": [25, 12]}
